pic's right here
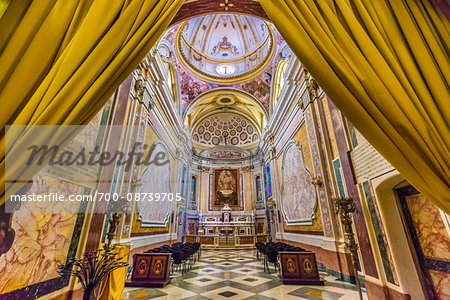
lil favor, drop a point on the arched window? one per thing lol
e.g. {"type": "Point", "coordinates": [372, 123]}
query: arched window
{"type": "Point", "coordinates": [279, 81]}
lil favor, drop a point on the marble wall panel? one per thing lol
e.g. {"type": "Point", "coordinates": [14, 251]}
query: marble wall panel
{"type": "Point", "coordinates": [318, 172]}
{"type": "Point", "coordinates": [298, 195]}
{"type": "Point", "coordinates": [383, 245]}
{"type": "Point", "coordinates": [42, 240]}
{"type": "Point", "coordinates": [430, 228]}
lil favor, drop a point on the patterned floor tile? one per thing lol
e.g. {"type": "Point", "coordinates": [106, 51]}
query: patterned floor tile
{"type": "Point", "coordinates": [203, 280]}
{"type": "Point", "coordinates": [227, 264]}
{"type": "Point", "coordinates": [314, 294]}
{"type": "Point", "coordinates": [232, 274]}
{"type": "Point", "coordinates": [228, 292]}
{"type": "Point", "coordinates": [251, 280]}
{"type": "Point", "coordinates": [206, 270]}
{"type": "Point", "coordinates": [211, 259]}
{"type": "Point", "coordinates": [144, 294]}
{"type": "Point", "coordinates": [175, 293]}
{"type": "Point", "coordinates": [227, 275]}
{"type": "Point", "coordinates": [247, 270]}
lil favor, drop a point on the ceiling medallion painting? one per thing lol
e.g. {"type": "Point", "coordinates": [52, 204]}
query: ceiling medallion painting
{"type": "Point", "coordinates": [225, 129]}
{"type": "Point", "coordinates": [225, 49]}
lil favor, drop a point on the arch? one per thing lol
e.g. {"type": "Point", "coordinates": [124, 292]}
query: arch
{"type": "Point", "coordinates": [240, 94]}
{"type": "Point", "coordinates": [279, 81]}
{"type": "Point", "coordinates": [409, 281]}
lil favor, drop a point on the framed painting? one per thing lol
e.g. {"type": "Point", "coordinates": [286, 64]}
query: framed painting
{"type": "Point", "coordinates": [226, 189]}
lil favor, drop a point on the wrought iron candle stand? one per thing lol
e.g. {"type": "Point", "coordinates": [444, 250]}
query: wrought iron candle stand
{"type": "Point", "coordinates": [345, 207]}
{"type": "Point", "coordinates": [95, 266]}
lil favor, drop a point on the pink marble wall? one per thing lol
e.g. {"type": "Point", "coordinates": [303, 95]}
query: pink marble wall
{"type": "Point", "coordinates": [42, 240]}
{"type": "Point", "coordinates": [441, 282]}
{"type": "Point", "coordinates": [430, 228]}
{"type": "Point", "coordinates": [433, 238]}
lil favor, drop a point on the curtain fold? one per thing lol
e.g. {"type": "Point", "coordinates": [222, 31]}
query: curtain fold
{"type": "Point", "coordinates": [62, 60]}
{"type": "Point", "coordinates": [385, 64]}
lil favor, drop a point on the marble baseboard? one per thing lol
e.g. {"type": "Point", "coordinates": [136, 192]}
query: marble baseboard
{"type": "Point", "coordinates": [339, 275]}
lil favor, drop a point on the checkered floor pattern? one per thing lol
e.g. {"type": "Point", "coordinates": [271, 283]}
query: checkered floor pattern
{"type": "Point", "coordinates": [236, 274]}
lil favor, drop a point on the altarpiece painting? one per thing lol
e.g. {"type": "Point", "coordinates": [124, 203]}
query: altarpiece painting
{"type": "Point", "coordinates": [226, 187]}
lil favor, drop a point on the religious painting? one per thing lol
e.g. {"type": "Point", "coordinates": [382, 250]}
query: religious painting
{"type": "Point", "coordinates": [226, 187]}
{"type": "Point", "coordinates": [260, 227]}
{"type": "Point", "coordinates": [192, 227]}
{"type": "Point", "coordinates": [259, 196]}
{"type": "Point", "coordinates": [298, 194]}
{"type": "Point", "coordinates": [193, 198]}
{"type": "Point", "coordinates": [156, 187]}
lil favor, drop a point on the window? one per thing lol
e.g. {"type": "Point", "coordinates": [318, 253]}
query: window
{"type": "Point", "coordinates": [225, 69]}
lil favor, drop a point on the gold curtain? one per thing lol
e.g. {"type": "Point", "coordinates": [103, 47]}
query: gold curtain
{"type": "Point", "coordinates": [385, 64]}
{"type": "Point", "coordinates": [112, 288]}
{"type": "Point", "coordinates": [61, 60]}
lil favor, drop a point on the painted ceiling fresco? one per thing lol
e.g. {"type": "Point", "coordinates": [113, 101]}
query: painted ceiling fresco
{"type": "Point", "coordinates": [225, 48]}
{"type": "Point", "coordinates": [225, 129]}
{"type": "Point", "coordinates": [192, 86]}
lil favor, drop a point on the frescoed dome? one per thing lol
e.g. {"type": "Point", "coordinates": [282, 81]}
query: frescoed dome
{"type": "Point", "coordinates": [225, 48]}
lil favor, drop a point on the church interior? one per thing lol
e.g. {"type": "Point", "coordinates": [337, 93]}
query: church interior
{"type": "Point", "coordinates": [246, 149]}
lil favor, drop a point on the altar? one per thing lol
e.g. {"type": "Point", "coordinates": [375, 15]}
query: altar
{"type": "Point", "coordinates": [225, 229]}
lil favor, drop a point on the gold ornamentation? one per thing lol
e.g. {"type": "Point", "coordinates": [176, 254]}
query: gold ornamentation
{"type": "Point", "coordinates": [247, 168]}
{"type": "Point", "coordinates": [247, 76]}
{"type": "Point", "coordinates": [313, 89]}
{"type": "Point", "coordinates": [203, 169]}
{"type": "Point", "coordinates": [242, 32]}
{"type": "Point", "coordinates": [142, 267]}
{"type": "Point", "coordinates": [206, 35]}
{"type": "Point", "coordinates": [317, 181]}
{"type": "Point", "coordinates": [307, 266]}
{"type": "Point", "coordinates": [139, 88]}
{"type": "Point", "coordinates": [226, 5]}
{"type": "Point", "coordinates": [290, 265]}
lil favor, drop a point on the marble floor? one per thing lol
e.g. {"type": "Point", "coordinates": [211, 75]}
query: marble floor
{"type": "Point", "coordinates": [236, 274]}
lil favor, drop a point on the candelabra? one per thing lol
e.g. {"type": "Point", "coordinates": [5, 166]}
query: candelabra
{"type": "Point", "coordinates": [345, 207]}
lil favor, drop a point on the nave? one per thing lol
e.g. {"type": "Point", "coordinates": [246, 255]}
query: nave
{"type": "Point", "coordinates": [237, 274]}
{"type": "Point", "coordinates": [224, 124]}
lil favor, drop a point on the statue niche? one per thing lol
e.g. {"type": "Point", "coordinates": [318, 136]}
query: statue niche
{"type": "Point", "coordinates": [226, 187]}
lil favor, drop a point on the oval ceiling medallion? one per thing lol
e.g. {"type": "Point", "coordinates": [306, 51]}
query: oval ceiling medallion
{"type": "Point", "coordinates": [225, 100]}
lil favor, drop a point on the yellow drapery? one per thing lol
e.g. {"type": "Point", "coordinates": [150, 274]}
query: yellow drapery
{"type": "Point", "coordinates": [114, 285]}
{"type": "Point", "coordinates": [61, 60]}
{"type": "Point", "coordinates": [385, 64]}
